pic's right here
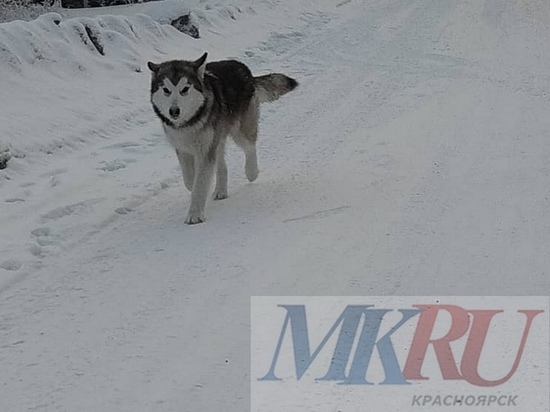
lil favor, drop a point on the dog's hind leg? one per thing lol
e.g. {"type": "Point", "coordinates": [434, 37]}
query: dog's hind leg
{"type": "Point", "coordinates": [220, 192]}
{"type": "Point", "coordinates": [246, 138]}
{"type": "Point", "coordinates": [251, 163]}
{"type": "Point", "coordinates": [187, 163]}
{"type": "Point", "coordinates": [251, 158]}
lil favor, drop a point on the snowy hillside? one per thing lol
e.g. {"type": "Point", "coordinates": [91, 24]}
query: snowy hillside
{"type": "Point", "coordinates": [412, 159]}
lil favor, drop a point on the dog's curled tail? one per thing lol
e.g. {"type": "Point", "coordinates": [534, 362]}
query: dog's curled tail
{"type": "Point", "coordinates": [272, 86]}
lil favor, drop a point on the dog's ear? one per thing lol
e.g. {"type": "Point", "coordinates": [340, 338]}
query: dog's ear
{"type": "Point", "coordinates": [200, 64]}
{"type": "Point", "coordinates": [153, 67]}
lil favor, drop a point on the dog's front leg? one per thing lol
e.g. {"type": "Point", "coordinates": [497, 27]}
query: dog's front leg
{"type": "Point", "coordinates": [187, 164]}
{"type": "Point", "coordinates": [201, 186]}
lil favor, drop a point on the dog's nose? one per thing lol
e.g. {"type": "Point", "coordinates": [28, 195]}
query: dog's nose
{"type": "Point", "coordinates": [174, 112]}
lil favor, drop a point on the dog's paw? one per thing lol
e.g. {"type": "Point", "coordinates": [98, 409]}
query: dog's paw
{"type": "Point", "coordinates": [251, 168]}
{"type": "Point", "coordinates": [194, 218]}
{"type": "Point", "coordinates": [251, 173]}
{"type": "Point", "coordinates": [220, 194]}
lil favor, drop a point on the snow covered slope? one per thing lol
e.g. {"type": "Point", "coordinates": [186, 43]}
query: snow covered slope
{"type": "Point", "coordinates": [412, 159]}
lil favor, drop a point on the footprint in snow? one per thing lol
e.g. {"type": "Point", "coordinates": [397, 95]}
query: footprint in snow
{"type": "Point", "coordinates": [46, 241]}
{"type": "Point", "coordinates": [122, 145]}
{"type": "Point", "coordinates": [123, 210]}
{"type": "Point", "coordinates": [54, 181]}
{"type": "Point", "coordinates": [11, 265]}
{"type": "Point", "coordinates": [55, 172]}
{"type": "Point", "coordinates": [45, 237]}
{"type": "Point", "coordinates": [63, 211]}
{"type": "Point", "coordinates": [14, 200]}
{"type": "Point", "coordinates": [116, 164]}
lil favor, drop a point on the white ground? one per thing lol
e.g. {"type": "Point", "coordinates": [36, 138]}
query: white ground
{"type": "Point", "coordinates": [412, 159]}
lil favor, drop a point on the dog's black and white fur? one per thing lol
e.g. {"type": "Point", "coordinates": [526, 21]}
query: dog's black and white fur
{"type": "Point", "coordinates": [199, 105]}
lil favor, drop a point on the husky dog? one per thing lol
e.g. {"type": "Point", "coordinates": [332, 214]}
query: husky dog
{"type": "Point", "coordinates": [199, 105]}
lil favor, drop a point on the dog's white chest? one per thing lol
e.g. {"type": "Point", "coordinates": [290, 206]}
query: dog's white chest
{"type": "Point", "coordinates": [189, 140]}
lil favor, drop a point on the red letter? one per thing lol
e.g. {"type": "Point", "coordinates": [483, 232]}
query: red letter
{"type": "Point", "coordinates": [472, 351]}
{"type": "Point", "coordinates": [459, 326]}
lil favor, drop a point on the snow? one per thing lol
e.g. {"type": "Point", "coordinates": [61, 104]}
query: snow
{"type": "Point", "coordinates": [412, 160]}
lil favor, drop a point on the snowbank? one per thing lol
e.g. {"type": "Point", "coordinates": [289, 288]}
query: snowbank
{"type": "Point", "coordinates": [126, 34]}
{"type": "Point", "coordinates": [51, 65]}
{"type": "Point", "coordinates": [77, 43]}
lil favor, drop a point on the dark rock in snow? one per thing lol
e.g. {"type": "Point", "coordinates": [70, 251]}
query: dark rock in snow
{"type": "Point", "coordinates": [185, 25]}
{"type": "Point", "coordinates": [4, 158]}
{"type": "Point", "coordinates": [95, 40]}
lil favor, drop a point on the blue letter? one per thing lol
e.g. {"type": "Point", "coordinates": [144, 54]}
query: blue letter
{"type": "Point", "coordinates": [296, 315]}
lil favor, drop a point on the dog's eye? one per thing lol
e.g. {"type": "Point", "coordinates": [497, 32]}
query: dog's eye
{"type": "Point", "coordinates": [184, 90]}
{"type": "Point", "coordinates": [166, 91]}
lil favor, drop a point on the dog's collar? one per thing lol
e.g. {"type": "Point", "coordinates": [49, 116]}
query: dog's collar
{"type": "Point", "coordinates": [188, 123]}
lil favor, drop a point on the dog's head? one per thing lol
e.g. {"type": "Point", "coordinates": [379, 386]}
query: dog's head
{"type": "Point", "coordinates": [177, 90]}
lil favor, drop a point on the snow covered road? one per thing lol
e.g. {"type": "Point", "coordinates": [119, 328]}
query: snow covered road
{"type": "Point", "coordinates": [412, 160]}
